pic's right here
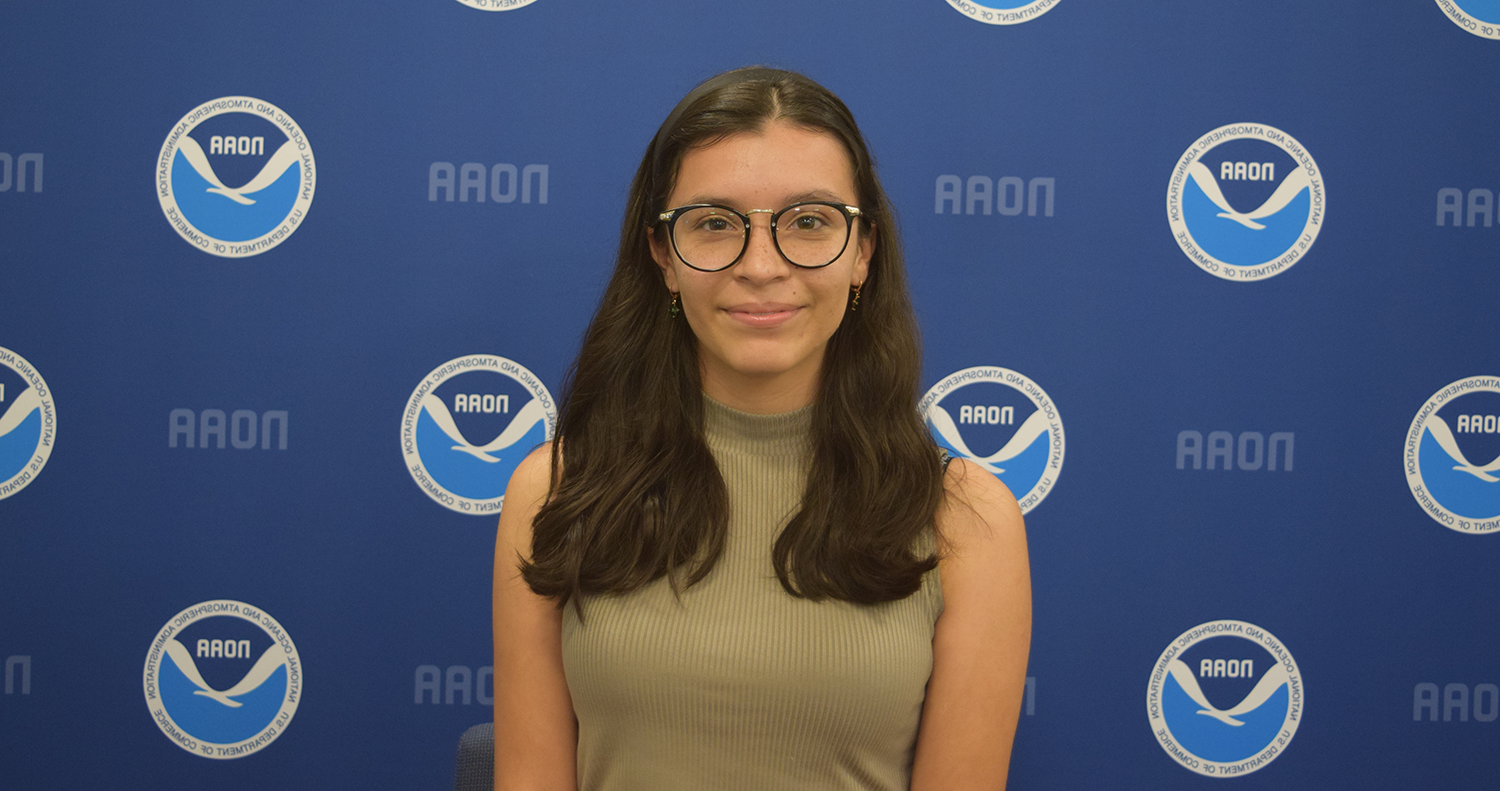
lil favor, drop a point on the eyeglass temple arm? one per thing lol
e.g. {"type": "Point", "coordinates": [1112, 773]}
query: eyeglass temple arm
{"type": "Point", "coordinates": [854, 211]}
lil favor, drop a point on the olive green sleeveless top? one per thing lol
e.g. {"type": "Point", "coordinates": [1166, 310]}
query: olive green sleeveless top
{"type": "Point", "coordinates": [737, 684]}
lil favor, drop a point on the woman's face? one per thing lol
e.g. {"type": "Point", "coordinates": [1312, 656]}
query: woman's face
{"type": "Point", "coordinates": [763, 324]}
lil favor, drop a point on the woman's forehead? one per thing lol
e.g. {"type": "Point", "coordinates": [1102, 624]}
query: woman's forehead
{"type": "Point", "coordinates": [781, 163]}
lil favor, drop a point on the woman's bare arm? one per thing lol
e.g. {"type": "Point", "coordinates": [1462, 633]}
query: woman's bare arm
{"type": "Point", "coordinates": [982, 639]}
{"type": "Point", "coordinates": [536, 736]}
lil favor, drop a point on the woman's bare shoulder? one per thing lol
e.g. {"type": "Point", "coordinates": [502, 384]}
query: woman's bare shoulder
{"type": "Point", "coordinates": [535, 470]}
{"type": "Point", "coordinates": [524, 496]}
{"type": "Point", "coordinates": [979, 514]}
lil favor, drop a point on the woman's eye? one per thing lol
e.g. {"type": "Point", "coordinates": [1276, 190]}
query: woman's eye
{"type": "Point", "coordinates": [714, 225]}
{"type": "Point", "coordinates": [809, 222]}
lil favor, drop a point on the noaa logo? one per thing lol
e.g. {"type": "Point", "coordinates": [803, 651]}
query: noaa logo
{"type": "Point", "coordinates": [1452, 455]}
{"type": "Point", "coordinates": [1002, 12]}
{"type": "Point", "coordinates": [1225, 698]}
{"type": "Point", "coordinates": [1480, 17]}
{"type": "Point", "coordinates": [480, 398]}
{"type": "Point", "coordinates": [1003, 422]}
{"type": "Point", "coordinates": [28, 423]}
{"type": "Point", "coordinates": [235, 176]}
{"type": "Point", "coordinates": [496, 5]}
{"type": "Point", "coordinates": [1245, 202]}
{"type": "Point", "coordinates": [222, 679]}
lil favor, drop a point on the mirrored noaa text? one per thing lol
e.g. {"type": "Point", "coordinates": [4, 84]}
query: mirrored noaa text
{"type": "Point", "coordinates": [1225, 698]}
{"type": "Point", "coordinates": [1005, 423]}
{"type": "Point", "coordinates": [1002, 12]}
{"type": "Point", "coordinates": [1245, 202]}
{"type": "Point", "coordinates": [222, 679]}
{"type": "Point", "coordinates": [235, 177]}
{"type": "Point", "coordinates": [1452, 455]}
{"type": "Point", "coordinates": [28, 423]}
{"type": "Point", "coordinates": [468, 425]}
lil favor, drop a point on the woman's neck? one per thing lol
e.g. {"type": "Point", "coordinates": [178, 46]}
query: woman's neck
{"type": "Point", "coordinates": [759, 395]}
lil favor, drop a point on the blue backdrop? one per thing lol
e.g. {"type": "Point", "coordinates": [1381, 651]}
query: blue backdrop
{"type": "Point", "coordinates": [289, 285]}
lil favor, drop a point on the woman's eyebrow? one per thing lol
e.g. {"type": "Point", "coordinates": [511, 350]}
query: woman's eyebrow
{"type": "Point", "coordinates": [814, 195]}
{"type": "Point", "coordinates": [800, 197]}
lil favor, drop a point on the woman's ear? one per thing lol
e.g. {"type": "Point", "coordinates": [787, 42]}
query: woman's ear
{"type": "Point", "coordinates": [663, 258]}
{"type": "Point", "coordinates": [862, 258]}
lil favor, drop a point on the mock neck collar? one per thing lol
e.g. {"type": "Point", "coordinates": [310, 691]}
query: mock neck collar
{"type": "Point", "coordinates": [782, 431]}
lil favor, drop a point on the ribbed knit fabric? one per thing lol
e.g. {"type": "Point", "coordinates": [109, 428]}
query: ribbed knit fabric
{"type": "Point", "coordinates": [737, 684]}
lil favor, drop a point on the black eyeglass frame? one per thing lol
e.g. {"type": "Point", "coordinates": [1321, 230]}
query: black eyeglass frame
{"type": "Point", "coordinates": [670, 218]}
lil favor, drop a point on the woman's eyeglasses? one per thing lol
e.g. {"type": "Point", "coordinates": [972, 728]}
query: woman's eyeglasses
{"type": "Point", "coordinates": [709, 238]}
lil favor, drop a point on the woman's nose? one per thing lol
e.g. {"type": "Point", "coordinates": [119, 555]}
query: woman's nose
{"type": "Point", "coordinates": [762, 260]}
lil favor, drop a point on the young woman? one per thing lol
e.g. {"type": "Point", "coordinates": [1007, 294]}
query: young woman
{"type": "Point", "coordinates": [744, 564]}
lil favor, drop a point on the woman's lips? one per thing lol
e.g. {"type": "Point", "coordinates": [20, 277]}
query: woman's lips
{"type": "Point", "coordinates": [762, 314]}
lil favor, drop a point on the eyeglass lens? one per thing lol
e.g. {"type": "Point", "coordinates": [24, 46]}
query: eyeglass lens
{"type": "Point", "coordinates": [712, 237]}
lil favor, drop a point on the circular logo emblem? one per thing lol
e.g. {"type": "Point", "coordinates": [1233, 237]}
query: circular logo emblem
{"type": "Point", "coordinates": [1245, 202]}
{"type": "Point", "coordinates": [1480, 17]}
{"type": "Point", "coordinates": [1452, 455]}
{"type": "Point", "coordinates": [496, 5]}
{"type": "Point", "coordinates": [235, 176]}
{"type": "Point", "coordinates": [498, 404]}
{"type": "Point", "coordinates": [1003, 12]}
{"type": "Point", "coordinates": [28, 423]}
{"type": "Point", "coordinates": [1225, 698]}
{"type": "Point", "coordinates": [222, 679]}
{"type": "Point", "coordinates": [1003, 422]}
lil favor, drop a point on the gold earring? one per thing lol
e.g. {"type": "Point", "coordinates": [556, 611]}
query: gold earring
{"type": "Point", "coordinates": [854, 305]}
{"type": "Point", "coordinates": [672, 309]}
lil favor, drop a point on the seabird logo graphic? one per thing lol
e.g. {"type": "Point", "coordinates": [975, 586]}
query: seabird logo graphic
{"type": "Point", "coordinates": [1245, 202]}
{"type": "Point", "coordinates": [1480, 17]}
{"type": "Point", "coordinates": [1003, 12]}
{"type": "Point", "coordinates": [496, 5]}
{"type": "Point", "coordinates": [484, 399]}
{"type": "Point", "coordinates": [1225, 698]}
{"type": "Point", "coordinates": [222, 679]}
{"type": "Point", "coordinates": [1003, 422]}
{"type": "Point", "coordinates": [248, 143]}
{"type": "Point", "coordinates": [28, 423]}
{"type": "Point", "coordinates": [1452, 455]}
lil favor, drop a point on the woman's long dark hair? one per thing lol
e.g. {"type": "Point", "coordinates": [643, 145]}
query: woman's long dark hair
{"type": "Point", "coordinates": [639, 495]}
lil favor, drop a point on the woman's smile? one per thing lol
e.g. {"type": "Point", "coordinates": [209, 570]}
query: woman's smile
{"type": "Point", "coordinates": [763, 315]}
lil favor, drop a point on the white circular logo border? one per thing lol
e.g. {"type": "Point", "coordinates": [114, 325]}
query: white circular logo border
{"type": "Point", "coordinates": [1296, 699]}
{"type": "Point", "coordinates": [1184, 237]}
{"type": "Point", "coordinates": [185, 227]}
{"type": "Point", "coordinates": [27, 474]}
{"type": "Point", "coordinates": [163, 718]}
{"type": "Point", "coordinates": [1038, 397]}
{"type": "Point", "coordinates": [1412, 448]}
{"type": "Point", "coordinates": [1468, 21]}
{"type": "Point", "coordinates": [479, 362]}
{"type": "Point", "coordinates": [1002, 16]}
{"type": "Point", "coordinates": [497, 5]}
